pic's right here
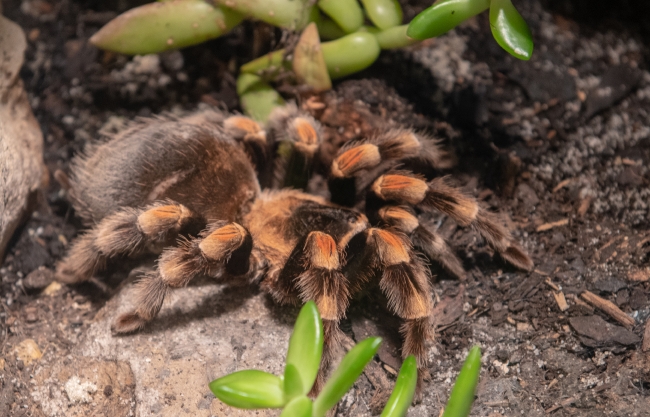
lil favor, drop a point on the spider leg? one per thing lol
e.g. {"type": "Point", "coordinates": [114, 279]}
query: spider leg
{"type": "Point", "coordinates": [253, 138]}
{"type": "Point", "coordinates": [127, 231]}
{"type": "Point", "coordinates": [390, 145]}
{"type": "Point", "coordinates": [406, 188]}
{"type": "Point", "coordinates": [313, 272]}
{"type": "Point", "coordinates": [221, 244]}
{"type": "Point", "coordinates": [297, 138]}
{"type": "Point", "coordinates": [405, 282]}
{"type": "Point", "coordinates": [430, 243]}
{"type": "Point", "coordinates": [358, 163]}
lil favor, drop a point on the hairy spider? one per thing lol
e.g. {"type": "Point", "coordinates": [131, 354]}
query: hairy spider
{"type": "Point", "coordinates": [192, 187]}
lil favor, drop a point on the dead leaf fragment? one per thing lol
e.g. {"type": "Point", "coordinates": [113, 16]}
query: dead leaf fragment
{"type": "Point", "coordinates": [308, 61]}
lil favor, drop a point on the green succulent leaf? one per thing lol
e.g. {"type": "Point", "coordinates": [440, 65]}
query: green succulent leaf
{"type": "Point", "coordinates": [328, 29]}
{"type": "Point", "coordinates": [462, 394]}
{"type": "Point", "coordinates": [249, 389]}
{"type": "Point", "coordinates": [443, 16]}
{"type": "Point", "coordinates": [308, 61]}
{"type": "Point", "coordinates": [288, 14]}
{"type": "Point", "coordinates": [349, 54]}
{"type": "Point", "coordinates": [394, 37]}
{"type": "Point", "coordinates": [404, 390]}
{"type": "Point", "coordinates": [292, 382]}
{"type": "Point", "coordinates": [298, 407]}
{"type": "Point", "coordinates": [348, 371]}
{"type": "Point", "coordinates": [257, 98]}
{"type": "Point", "coordinates": [510, 29]}
{"type": "Point", "coordinates": [346, 13]}
{"type": "Point", "coordinates": [305, 348]}
{"type": "Point", "coordinates": [383, 13]}
{"type": "Point", "coordinates": [157, 27]}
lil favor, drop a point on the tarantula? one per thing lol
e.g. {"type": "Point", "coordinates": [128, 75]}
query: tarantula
{"type": "Point", "coordinates": [192, 187]}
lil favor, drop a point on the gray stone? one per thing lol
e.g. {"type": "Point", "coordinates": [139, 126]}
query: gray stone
{"type": "Point", "coordinates": [22, 170]}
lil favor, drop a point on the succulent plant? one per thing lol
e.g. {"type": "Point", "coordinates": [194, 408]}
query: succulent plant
{"type": "Point", "coordinates": [353, 46]}
{"type": "Point", "coordinates": [257, 389]}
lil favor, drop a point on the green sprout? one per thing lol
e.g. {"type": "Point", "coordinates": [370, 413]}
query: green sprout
{"type": "Point", "coordinates": [462, 394]}
{"type": "Point", "coordinates": [352, 47]}
{"type": "Point", "coordinates": [252, 389]}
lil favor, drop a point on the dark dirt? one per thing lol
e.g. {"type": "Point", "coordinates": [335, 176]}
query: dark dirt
{"type": "Point", "coordinates": [560, 145]}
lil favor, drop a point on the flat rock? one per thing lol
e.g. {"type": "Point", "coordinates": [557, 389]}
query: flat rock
{"type": "Point", "coordinates": [22, 170]}
{"type": "Point", "coordinates": [202, 333]}
{"type": "Point", "coordinates": [596, 332]}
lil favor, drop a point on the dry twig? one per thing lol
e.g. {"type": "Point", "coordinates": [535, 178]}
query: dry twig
{"type": "Point", "coordinates": [608, 307]}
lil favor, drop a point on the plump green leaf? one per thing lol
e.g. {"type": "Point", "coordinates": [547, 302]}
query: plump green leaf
{"type": "Point", "coordinates": [443, 16]}
{"type": "Point", "coordinates": [298, 407]}
{"type": "Point", "coordinates": [257, 98]}
{"type": "Point", "coordinates": [348, 371]}
{"type": "Point", "coordinates": [249, 389]}
{"type": "Point", "coordinates": [510, 29]}
{"type": "Point", "coordinates": [309, 63]}
{"type": "Point", "coordinates": [349, 54]}
{"type": "Point", "coordinates": [383, 13]}
{"type": "Point", "coordinates": [293, 382]}
{"type": "Point", "coordinates": [394, 37]}
{"type": "Point", "coordinates": [346, 13]}
{"type": "Point", "coordinates": [306, 346]}
{"type": "Point", "coordinates": [462, 394]}
{"type": "Point", "coordinates": [157, 27]}
{"type": "Point", "coordinates": [288, 14]}
{"type": "Point", "coordinates": [402, 395]}
{"type": "Point", "coordinates": [328, 29]}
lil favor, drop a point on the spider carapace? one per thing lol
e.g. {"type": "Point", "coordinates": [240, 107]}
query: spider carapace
{"type": "Point", "coordinates": [204, 189]}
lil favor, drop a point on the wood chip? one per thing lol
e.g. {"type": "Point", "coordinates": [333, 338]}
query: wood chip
{"type": "Point", "coordinates": [548, 226]}
{"type": "Point", "coordinates": [502, 403]}
{"type": "Point", "coordinates": [608, 307]}
{"type": "Point", "coordinates": [550, 284]}
{"type": "Point", "coordinates": [523, 327]}
{"type": "Point", "coordinates": [581, 303]}
{"type": "Point", "coordinates": [646, 337]}
{"type": "Point", "coordinates": [563, 184]}
{"type": "Point", "coordinates": [630, 162]}
{"type": "Point", "coordinates": [641, 275]}
{"type": "Point", "coordinates": [563, 404]}
{"type": "Point", "coordinates": [584, 205]}
{"type": "Point", "coordinates": [561, 301]}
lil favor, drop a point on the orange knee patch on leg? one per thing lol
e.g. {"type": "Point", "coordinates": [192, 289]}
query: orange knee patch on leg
{"type": "Point", "coordinates": [162, 218]}
{"type": "Point", "coordinates": [391, 249]}
{"type": "Point", "coordinates": [246, 128]}
{"type": "Point", "coordinates": [400, 188]}
{"type": "Point", "coordinates": [222, 241]}
{"type": "Point", "coordinates": [355, 159]}
{"type": "Point", "coordinates": [306, 136]}
{"type": "Point", "coordinates": [321, 251]}
{"type": "Point", "coordinates": [398, 217]}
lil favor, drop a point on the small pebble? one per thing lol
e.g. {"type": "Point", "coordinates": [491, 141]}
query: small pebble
{"type": "Point", "coordinates": [38, 279]}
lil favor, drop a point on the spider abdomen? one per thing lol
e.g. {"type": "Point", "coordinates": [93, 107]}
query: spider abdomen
{"type": "Point", "coordinates": [187, 162]}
